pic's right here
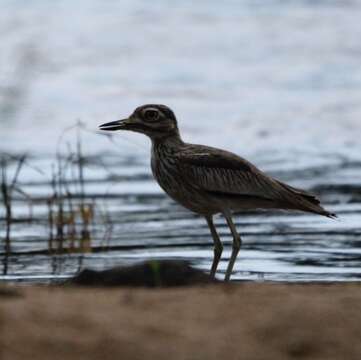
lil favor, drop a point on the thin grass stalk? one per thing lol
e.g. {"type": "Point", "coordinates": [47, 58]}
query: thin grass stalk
{"type": "Point", "coordinates": [60, 205]}
{"type": "Point", "coordinates": [80, 161]}
{"type": "Point", "coordinates": [8, 213]}
{"type": "Point", "coordinates": [50, 203]}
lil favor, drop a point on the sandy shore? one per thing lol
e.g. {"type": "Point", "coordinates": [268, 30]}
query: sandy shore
{"type": "Point", "coordinates": [237, 321]}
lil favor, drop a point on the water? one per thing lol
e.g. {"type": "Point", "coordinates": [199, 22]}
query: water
{"type": "Point", "coordinates": [279, 83]}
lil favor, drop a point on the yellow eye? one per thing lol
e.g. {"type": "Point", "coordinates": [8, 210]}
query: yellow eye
{"type": "Point", "coordinates": [151, 114]}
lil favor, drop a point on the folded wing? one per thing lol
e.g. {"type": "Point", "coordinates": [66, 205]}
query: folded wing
{"type": "Point", "coordinates": [220, 172]}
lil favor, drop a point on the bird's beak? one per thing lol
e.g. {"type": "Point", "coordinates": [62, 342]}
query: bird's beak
{"type": "Point", "coordinates": [116, 125]}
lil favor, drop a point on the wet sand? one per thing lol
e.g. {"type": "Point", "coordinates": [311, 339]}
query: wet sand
{"type": "Point", "coordinates": [237, 321]}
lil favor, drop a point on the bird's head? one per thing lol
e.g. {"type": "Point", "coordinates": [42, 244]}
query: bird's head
{"type": "Point", "coordinates": [156, 121]}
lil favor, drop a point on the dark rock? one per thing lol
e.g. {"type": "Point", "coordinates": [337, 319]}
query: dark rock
{"type": "Point", "coordinates": [154, 273]}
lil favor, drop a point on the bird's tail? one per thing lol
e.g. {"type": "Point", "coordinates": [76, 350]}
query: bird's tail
{"type": "Point", "coordinates": [303, 200]}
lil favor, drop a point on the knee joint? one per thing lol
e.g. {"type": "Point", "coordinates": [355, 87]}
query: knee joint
{"type": "Point", "coordinates": [237, 244]}
{"type": "Point", "coordinates": [218, 250]}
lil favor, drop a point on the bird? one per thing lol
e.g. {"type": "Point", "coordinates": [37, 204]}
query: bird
{"type": "Point", "coordinates": [210, 181]}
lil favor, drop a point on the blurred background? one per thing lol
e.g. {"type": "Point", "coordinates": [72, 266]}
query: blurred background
{"type": "Point", "coordinates": [278, 82]}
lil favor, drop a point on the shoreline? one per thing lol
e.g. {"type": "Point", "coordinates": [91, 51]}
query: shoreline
{"type": "Point", "coordinates": [237, 321]}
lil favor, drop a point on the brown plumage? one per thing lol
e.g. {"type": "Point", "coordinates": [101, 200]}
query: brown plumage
{"type": "Point", "coordinates": [207, 180]}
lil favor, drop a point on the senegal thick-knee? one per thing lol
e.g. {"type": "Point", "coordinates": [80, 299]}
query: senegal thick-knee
{"type": "Point", "coordinates": [207, 180]}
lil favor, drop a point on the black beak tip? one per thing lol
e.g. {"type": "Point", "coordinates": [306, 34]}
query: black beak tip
{"type": "Point", "coordinates": [102, 127]}
{"type": "Point", "coordinates": [110, 126]}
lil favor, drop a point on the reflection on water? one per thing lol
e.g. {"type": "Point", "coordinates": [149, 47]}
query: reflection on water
{"type": "Point", "coordinates": [277, 82]}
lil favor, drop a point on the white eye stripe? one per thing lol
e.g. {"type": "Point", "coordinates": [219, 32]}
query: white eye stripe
{"type": "Point", "coordinates": [151, 109]}
{"type": "Point", "coordinates": [151, 114]}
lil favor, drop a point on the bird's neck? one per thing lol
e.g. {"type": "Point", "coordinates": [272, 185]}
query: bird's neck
{"type": "Point", "coordinates": [169, 140]}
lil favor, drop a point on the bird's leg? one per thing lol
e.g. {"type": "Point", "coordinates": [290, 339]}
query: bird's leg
{"type": "Point", "coordinates": [218, 247]}
{"type": "Point", "coordinates": [236, 245]}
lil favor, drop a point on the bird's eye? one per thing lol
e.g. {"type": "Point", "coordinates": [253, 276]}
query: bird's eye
{"type": "Point", "coordinates": [151, 115]}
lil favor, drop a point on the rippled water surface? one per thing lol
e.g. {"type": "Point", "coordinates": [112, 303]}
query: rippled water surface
{"type": "Point", "coordinates": [279, 83]}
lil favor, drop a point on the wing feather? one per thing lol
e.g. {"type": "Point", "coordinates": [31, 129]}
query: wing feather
{"type": "Point", "coordinates": [223, 173]}
{"type": "Point", "coordinates": [216, 170]}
